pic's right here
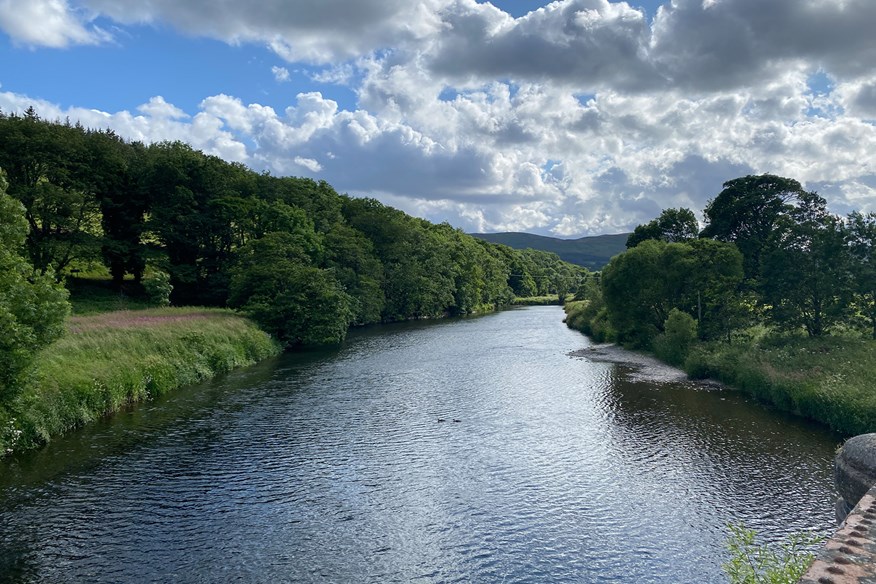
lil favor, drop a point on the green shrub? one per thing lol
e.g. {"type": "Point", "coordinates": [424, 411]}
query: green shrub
{"type": "Point", "coordinates": [157, 286]}
{"type": "Point", "coordinates": [753, 563]}
{"type": "Point", "coordinates": [32, 305]}
{"type": "Point", "coordinates": [680, 333]}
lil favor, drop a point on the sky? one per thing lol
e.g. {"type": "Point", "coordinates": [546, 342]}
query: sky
{"type": "Point", "coordinates": [566, 118]}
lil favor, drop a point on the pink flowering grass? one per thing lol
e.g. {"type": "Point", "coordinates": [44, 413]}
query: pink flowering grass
{"type": "Point", "coordinates": [122, 319]}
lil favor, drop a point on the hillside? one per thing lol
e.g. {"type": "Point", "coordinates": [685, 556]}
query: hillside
{"type": "Point", "coordinates": [591, 252]}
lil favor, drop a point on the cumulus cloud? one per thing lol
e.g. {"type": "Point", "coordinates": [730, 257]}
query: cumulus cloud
{"type": "Point", "coordinates": [582, 117]}
{"type": "Point", "coordinates": [48, 23]}
{"type": "Point", "coordinates": [588, 43]}
{"type": "Point", "coordinates": [316, 31]}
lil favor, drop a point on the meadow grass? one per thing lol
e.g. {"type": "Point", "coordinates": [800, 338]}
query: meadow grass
{"type": "Point", "coordinates": [831, 379]}
{"type": "Point", "coordinates": [109, 360]}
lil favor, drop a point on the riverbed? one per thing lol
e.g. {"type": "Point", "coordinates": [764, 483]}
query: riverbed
{"type": "Point", "coordinates": [500, 448]}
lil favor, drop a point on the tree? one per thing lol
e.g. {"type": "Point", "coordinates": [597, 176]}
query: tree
{"type": "Point", "coordinates": [746, 213]}
{"type": "Point", "coordinates": [644, 284]}
{"type": "Point", "coordinates": [672, 226]}
{"type": "Point", "coordinates": [49, 173]}
{"type": "Point", "coordinates": [805, 276]}
{"type": "Point", "coordinates": [117, 176]}
{"type": "Point", "coordinates": [633, 289]}
{"type": "Point", "coordinates": [861, 231]}
{"type": "Point", "coordinates": [32, 306]}
{"type": "Point", "coordinates": [275, 285]}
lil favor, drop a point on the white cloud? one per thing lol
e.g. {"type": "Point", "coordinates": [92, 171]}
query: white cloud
{"type": "Point", "coordinates": [158, 108]}
{"type": "Point", "coordinates": [316, 31]}
{"type": "Point", "coordinates": [580, 118]}
{"type": "Point", "coordinates": [281, 74]}
{"type": "Point", "coordinates": [48, 23]}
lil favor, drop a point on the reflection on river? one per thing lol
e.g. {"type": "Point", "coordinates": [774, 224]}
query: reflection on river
{"type": "Point", "coordinates": [337, 467]}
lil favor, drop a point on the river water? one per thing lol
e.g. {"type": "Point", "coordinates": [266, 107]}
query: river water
{"type": "Point", "coordinates": [469, 450]}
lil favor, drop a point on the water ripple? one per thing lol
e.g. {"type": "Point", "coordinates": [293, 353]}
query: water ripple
{"type": "Point", "coordinates": [473, 450]}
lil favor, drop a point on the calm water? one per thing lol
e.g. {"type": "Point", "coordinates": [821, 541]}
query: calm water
{"type": "Point", "coordinates": [333, 467]}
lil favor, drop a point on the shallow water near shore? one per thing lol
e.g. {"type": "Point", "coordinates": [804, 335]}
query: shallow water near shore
{"type": "Point", "coordinates": [490, 449]}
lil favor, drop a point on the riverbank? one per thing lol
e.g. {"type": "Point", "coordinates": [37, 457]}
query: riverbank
{"type": "Point", "coordinates": [110, 360]}
{"type": "Point", "coordinates": [550, 300]}
{"type": "Point", "coordinates": [828, 380]}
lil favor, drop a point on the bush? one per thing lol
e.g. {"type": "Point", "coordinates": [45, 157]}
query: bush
{"type": "Point", "coordinates": [298, 303]}
{"type": "Point", "coordinates": [753, 563]}
{"type": "Point", "coordinates": [680, 333]}
{"type": "Point", "coordinates": [157, 286]}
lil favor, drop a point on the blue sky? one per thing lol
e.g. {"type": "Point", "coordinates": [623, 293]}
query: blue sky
{"type": "Point", "coordinates": [571, 118]}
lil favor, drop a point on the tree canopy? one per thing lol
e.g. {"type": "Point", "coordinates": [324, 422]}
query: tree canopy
{"type": "Point", "coordinates": [302, 259]}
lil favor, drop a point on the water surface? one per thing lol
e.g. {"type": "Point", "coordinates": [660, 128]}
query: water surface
{"type": "Point", "coordinates": [468, 450]}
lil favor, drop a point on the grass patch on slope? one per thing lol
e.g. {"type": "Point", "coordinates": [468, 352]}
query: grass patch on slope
{"type": "Point", "coordinates": [109, 360]}
{"type": "Point", "coordinates": [829, 379]}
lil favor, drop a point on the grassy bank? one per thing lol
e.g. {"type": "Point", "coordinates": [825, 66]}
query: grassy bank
{"type": "Point", "coordinates": [109, 360]}
{"type": "Point", "coordinates": [537, 301]}
{"type": "Point", "coordinates": [829, 379]}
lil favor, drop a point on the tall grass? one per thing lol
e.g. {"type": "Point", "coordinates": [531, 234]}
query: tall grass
{"type": "Point", "coordinates": [831, 380]}
{"type": "Point", "coordinates": [109, 360]}
{"type": "Point", "coordinates": [93, 295]}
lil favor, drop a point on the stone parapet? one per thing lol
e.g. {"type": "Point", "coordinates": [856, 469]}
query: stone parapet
{"type": "Point", "coordinates": [849, 557]}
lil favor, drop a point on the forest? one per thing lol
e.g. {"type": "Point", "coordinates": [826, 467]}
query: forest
{"type": "Point", "coordinates": [770, 253]}
{"type": "Point", "coordinates": [302, 260]}
{"type": "Point", "coordinates": [775, 295]}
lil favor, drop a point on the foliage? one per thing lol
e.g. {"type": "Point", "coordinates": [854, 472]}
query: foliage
{"type": "Point", "coordinates": [641, 286]}
{"type": "Point", "coordinates": [753, 563]}
{"type": "Point", "coordinates": [632, 286]}
{"type": "Point", "coordinates": [861, 234]}
{"type": "Point", "coordinates": [805, 277]}
{"type": "Point", "coordinates": [296, 302]}
{"type": "Point", "coordinates": [746, 212]}
{"type": "Point", "coordinates": [673, 225]}
{"type": "Point", "coordinates": [680, 334]}
{"type": "Point", "coordinates": [827, 379]}
{"type": "Point", "coordinates": [113, 359]}
{"type": "Point", "coordinates": [589, 314]}
{"type": "Point", "coordinates": [536, 301]}
{"type": "Point", "coordinates": [157, 286]}
{"type": "Point", "coordinates": [32, 306]}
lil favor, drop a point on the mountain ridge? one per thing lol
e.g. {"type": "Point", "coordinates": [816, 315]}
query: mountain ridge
{"type": "Point", "coordinates": [592, 252]}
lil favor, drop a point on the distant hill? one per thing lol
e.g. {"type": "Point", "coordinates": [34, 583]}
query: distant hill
{"type": "Point", "coordinates": [591, 252]}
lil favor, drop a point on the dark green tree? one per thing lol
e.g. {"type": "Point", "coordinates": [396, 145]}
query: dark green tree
{"type": "Point", "coordinates": [805, 272]}
{"type": "Point", "coordinates": [861, 232]}
{"type": "Point", "coordinates": [746, 213]}
{"type": "Point", "coordinates": [32, 306]}
{"type": "Point", "coordinates": [49, 173]}
{"type": "Point", "coordinates": [672, 226]}
{"type": "Point", "coordinates": [275, 285]}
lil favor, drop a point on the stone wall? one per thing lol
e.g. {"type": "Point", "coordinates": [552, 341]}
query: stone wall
{"type": "Point", "coordinates": [850, 555]}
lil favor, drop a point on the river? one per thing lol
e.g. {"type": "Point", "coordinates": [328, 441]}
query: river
{"type": "Point", "coordinates": [487, 449]}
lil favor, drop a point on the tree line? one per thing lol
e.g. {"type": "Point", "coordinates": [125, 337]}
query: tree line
{"type": "Point", "coordinates": [302, 260]}
{"type": "Point", "coordinates": [770, 252]}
